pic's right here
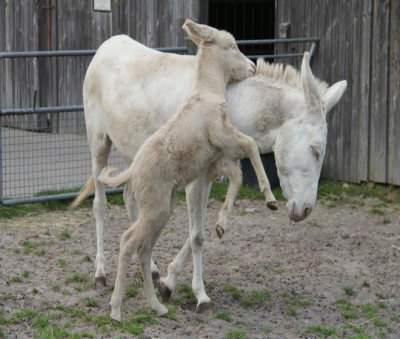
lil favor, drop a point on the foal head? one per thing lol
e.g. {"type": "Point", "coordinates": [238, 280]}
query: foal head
{"type": "Point", "coordinates": [235, 65]}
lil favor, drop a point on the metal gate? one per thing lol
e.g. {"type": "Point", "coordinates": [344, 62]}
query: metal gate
{"type": "Point", "coordinates": [43, 150]}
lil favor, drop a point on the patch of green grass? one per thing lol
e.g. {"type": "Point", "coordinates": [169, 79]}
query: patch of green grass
{"type": "Point", "coordinates": [366, 284]}
{"type": "Point", "coordinates": [349, 311]}
{"type": "Point", "coordinates": [132, 290]}
{"type": "Point", "coordinates": [25, 274]}
{"type": "Point", "coordinates": [267, 330]}
{"type": "Point", "coordinates": [377, 211]}
{"type": "Point", "coordinates": [136, 324]}
{"type": "Point", "coordinates": [236, 334]}
{"type": "Point", "coordinates": [232, 290]}
{"type": "Point", "coordinates": [349, 291]}
{"type": "Point", "coordinates": [65, 234]}
{"type": "Point", "coordinates": [16, 279]}
{"type": "Point", "coordinates": [92, 303]}
{"type": "Point", "coordinates": [255, 298]}
{"type": "Point", "coordinates": [77, 277]}
{"type": "Point", "coordinates": [292, 311]}
{"type": "Point", "coordinates": [323, 330]}
{"type": "Point", "coordinates": [61, 262]}
{"type": "Point", "coordinates": [171, 315]}
{"type": "Point", "coordinates": [386, 221]}
{"type": "Point", "coordinates": [76, 252]}
{"type": "Point", "coordinates": [223, 316]}
{"type": "Point", "coordinates": [187, 292]}
{"type": "Point", "coordinates": [33, 247]}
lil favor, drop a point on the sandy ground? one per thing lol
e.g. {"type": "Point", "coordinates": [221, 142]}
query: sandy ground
{"type": "Point", "coordinates": [335, 274]}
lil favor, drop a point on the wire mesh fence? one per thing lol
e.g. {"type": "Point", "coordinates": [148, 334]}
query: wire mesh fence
{"type": "Point", "coordinates": [41, 163]}
{"type": "Point", "coordinates": [44, 154]}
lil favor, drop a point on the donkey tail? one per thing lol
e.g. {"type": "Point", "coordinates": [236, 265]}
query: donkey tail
{"type": "Point", "coordinates": [84, 193]}
{"type": "Point", "coordinates": [123, 177]}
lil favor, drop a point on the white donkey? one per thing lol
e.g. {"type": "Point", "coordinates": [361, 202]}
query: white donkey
{"type": "Point", "coordinates": [185, 147]}
{"type": "Point", "coordinates": [131, 90]}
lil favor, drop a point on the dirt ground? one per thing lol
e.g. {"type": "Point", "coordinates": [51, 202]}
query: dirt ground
{"type": "Point", "coordinates": [336, 274]}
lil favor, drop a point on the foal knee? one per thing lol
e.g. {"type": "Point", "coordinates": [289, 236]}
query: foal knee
{"type": "Point", "coordinates": [196, 239]}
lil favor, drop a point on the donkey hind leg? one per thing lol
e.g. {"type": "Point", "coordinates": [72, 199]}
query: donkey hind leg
{"type": "Point", "coordinates": [232, 170]}
{"type": "Point", "coordinates": [197, 196]}
{"type": "Point", "coordinates": [140, 237]}
{"type": "Point", "coordinates": [131, 207]}
{"type": "Point", "coordinates": [100, 150]}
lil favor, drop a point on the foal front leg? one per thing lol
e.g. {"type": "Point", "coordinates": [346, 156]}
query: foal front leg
{"type": "Point", "coordinates": [232, 170]}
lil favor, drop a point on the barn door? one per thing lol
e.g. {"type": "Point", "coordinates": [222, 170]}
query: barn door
{"type": "Point", "coordinates": [246, 20]}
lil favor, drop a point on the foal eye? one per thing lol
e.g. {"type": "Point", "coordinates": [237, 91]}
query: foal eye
{"type": "Point", "coordinates": [315, 152]}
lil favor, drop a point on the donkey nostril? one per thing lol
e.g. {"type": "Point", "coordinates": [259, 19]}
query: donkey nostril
{"type": "Point", "coordinates": [307, 211]}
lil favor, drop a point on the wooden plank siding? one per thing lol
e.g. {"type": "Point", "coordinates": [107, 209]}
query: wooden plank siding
{"type": "Point", "coordinates": [359, 42]}
{"type": "Point", "coordinates": [394, 95]}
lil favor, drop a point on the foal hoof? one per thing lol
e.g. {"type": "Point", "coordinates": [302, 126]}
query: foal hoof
{"type": "Point", "coordinates": [165, 292]}
{"type": "Point", "coordinates": [156, 277]}
{"type": "Point", "coordinates": [204, 308]}
{"type": "Point", "coordinates": [101, 280]}
{"type": "Point", "coordinates": [220, 231]}
{"type": "Point", "coordinates": [272, 205]}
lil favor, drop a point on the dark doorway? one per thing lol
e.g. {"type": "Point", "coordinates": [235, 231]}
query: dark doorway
{"type": "Point", "coordinates": [246, 20]}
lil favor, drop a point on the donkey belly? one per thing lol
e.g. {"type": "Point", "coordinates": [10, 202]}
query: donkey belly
{"type": "Point", "coordinates": [132, 91]}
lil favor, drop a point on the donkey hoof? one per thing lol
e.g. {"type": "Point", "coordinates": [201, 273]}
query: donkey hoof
{"type": "Point", "coordinates": [156, 277]}
{"type": "Point", "coordinates": [220, 231]}
{"type": "Point", "coordinates": [272, 205]}
{"type": "Point", "coordinates": [165, 292]}
{"type": "Point", "coordinates": [204, 308]}
{"type": "Point", "coordinates": [115, 316]}
{"type": "Point", "coordinates": [101, 280]}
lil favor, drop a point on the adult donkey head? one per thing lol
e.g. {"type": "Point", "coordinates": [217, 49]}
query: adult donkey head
{"type": "Point", "coordinates": [300, 146]}
{"type": "Point", "coordinates": [224, 50]}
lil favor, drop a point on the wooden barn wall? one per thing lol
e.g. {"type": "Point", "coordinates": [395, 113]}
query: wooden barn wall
{"type": "Point", "coordinates": [19, 27]}
{"type": "Point", "coordinates": [359, 43]}
{"type": "Point", "coordinates": [68, 25]}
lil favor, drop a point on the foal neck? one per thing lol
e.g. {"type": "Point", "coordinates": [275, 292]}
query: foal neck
{"type": "Point", "coordinates": [210, 72]}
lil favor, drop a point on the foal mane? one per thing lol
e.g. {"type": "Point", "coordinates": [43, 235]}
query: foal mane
{"type": "Point", "coordinates": [286, 75]}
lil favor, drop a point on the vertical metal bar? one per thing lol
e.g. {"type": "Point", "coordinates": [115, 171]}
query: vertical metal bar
{"type": "Point", "coordinates": [1, 154]}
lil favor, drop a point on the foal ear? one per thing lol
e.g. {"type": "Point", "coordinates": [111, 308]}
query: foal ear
{"type": "Point", "coordinates": [198, 33]}
{"type": "Point", "coordinates": [333, 95]}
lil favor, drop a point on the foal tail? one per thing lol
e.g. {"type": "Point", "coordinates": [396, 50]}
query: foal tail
{"type": "Point", "coordinates": [123, 177]}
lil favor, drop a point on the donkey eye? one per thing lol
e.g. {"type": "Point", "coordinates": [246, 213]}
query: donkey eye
{"type": "Point", "coordinates": [315, 152]}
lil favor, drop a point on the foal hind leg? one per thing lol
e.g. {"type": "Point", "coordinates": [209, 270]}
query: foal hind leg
{"type": "Point", "coordinates": [140, 237]}
{"type": "Point", "coordinates": [132, 210]}
{"type": "Point", "coordinates": [197, 195]}
{"type": "Point", "coordinates": [100, 148]}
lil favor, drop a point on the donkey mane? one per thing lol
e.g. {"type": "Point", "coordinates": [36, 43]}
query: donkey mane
{"type": "Point", "coordinates": [286, 75]}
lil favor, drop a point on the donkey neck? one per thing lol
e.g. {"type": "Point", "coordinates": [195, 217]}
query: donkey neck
{"type": "Point", "coordinates": [210, 72]}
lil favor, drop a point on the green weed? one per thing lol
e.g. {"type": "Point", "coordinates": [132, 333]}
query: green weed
{"type": "Point", "coordinates": [232, 290]}
{"type": "Point", "coordinates": [322, 330]}
{"type": "Point", "coordinates": [236, 334]}
{"type": "Point", "coordinates": [77, 277]}
{"type": "Point", "coordinates": [92, 303]}
{"type": "Point", "coordinates": [255, 298]}
{"type": "Point", "coordinates": [65, 234]}
{"type": "Point", "coordinates": [223, 316]}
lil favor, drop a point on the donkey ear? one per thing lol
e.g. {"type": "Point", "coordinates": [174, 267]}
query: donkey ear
{"type": "Point", "coordinates": [310, 88]}
{"type": "Point", "coordinates": [198, 33]}
{"type": "Point", "coordinates": [333, 95]}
